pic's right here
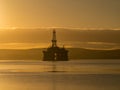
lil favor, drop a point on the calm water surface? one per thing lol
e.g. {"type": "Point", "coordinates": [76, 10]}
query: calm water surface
{"type": "Point", "coordinates": [70, 75]}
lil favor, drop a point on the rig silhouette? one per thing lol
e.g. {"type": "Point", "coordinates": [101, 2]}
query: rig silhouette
{"type": "Point", "coordinates": [55, 53]}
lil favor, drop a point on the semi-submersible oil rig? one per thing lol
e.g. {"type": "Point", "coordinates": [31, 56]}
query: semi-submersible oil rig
{"type": "Point", "coordinates": [55, 53]}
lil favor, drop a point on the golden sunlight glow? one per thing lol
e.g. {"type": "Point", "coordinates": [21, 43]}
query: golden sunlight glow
{"type": "Point", "coordinates": [1, 14]}
{"type": "Point", "coordinates": [23, 45]}
{"type": "Point", "coordinates": [59, 13]}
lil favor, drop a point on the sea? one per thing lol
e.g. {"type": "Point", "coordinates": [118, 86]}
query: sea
{"type": "Point", "coordinates": [60, 75]}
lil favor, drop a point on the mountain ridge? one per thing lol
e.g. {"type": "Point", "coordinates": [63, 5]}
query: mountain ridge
{"type": "Point", "coordinates": [74, 53]}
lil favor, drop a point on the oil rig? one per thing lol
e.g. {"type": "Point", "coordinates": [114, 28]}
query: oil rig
{"type": "Point", "coordinates": [55, 53]}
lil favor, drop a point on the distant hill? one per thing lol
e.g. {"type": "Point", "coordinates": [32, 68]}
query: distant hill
{"type": "Point", "coordinates": [74, 53]}
{"type": "Point", "coordinates": [78, 53]}
{"type": "Point", "coordinates": [20, 54]}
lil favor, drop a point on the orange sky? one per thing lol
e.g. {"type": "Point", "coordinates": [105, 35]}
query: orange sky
{"type": "Point", "coordinates": [60, 13]}
{"type": "Point", "coordinates": [69, 14]}
{"type": "Point", "coordinates": [41, 38]}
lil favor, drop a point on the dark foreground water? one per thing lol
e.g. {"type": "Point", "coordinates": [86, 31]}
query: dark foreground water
{"type": "Point", "coordinates": [71, 75]}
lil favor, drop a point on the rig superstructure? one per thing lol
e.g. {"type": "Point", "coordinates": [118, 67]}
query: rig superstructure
{"type": "Point", "coordinates": [55, 53]}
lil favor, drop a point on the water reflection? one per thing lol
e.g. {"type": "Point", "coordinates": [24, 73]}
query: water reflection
{"type": "Point", "coordinates": [71, 75]}
{"type": "Point", "coordinates": [73, 67]}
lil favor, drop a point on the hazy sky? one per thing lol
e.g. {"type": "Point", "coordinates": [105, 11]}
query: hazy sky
{"type": "Point", "coordinates": [60, 13]}
{"type": "Point", "coordinates": [37, 38]}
